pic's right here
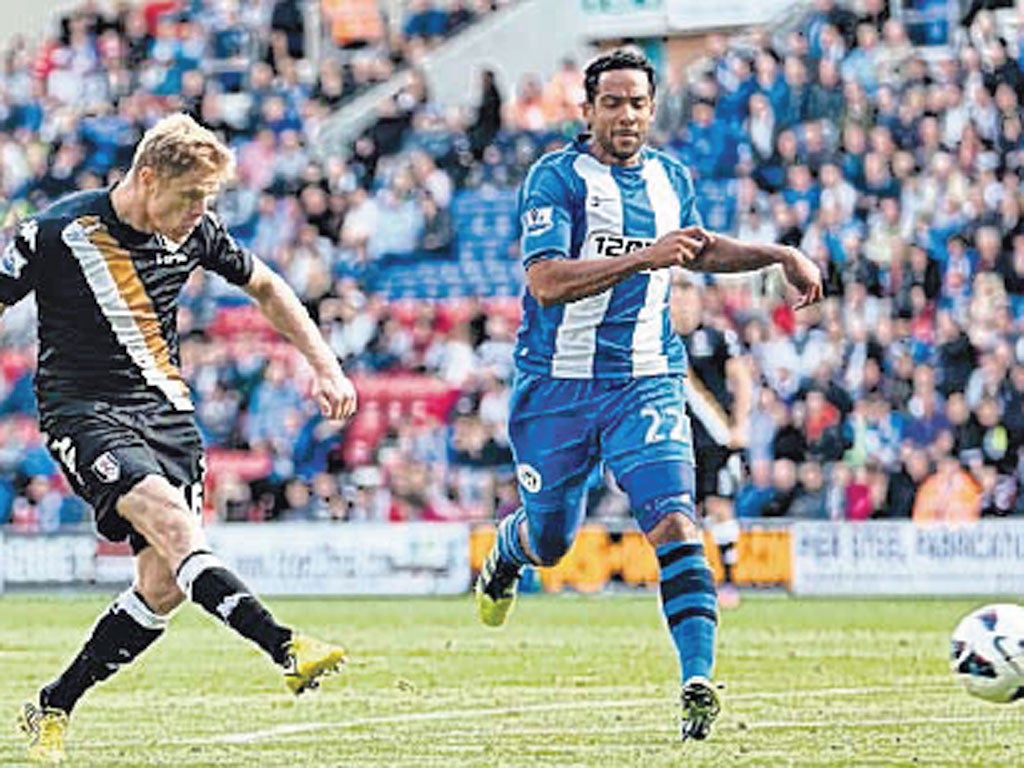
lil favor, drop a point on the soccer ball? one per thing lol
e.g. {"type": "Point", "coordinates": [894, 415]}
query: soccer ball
{"type": "Point", "coordinates": [987, 653]}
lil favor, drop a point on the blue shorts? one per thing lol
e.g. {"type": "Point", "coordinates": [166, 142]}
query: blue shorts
{"type": "Point", "coordinates": [560, 429]}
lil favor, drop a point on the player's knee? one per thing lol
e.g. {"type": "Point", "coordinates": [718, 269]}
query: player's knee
{"type": "Point", "coordinates": [155, 582]}
{"type": "Point", "coordinates": [161, 593]}
{"type": "Point", "coordinates": [157, 510]}
{"type": "Point", "coordinates": [550, 546]}
{"type": "Point", "coordinates": [675, 526]}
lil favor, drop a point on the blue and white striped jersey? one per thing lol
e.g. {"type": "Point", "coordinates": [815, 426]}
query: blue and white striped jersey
{"type": "Point", "coordinates": [573, 206]}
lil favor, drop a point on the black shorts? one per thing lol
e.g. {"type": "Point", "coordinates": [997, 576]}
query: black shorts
{"type": "Point", "coordinates": [718, 472]}
{"type": "Point", "coordinates": [105, 449]}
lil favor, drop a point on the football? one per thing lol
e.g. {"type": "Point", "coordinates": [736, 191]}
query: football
{"type": "Point", "coordinates": [987, 653]}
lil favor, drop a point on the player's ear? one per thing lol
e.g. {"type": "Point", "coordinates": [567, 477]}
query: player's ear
{"type": "Point", "coordinates": [587, 108]}
{"type": "Point", "coordinates": [146, 176]}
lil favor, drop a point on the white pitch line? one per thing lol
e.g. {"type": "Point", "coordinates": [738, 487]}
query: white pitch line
{"type": "Point", "coordinates": [940, 720]}
{"type": "Point", "coordinates": [288, 729]}
{"type": "Point", "coordinates": [411, 717]}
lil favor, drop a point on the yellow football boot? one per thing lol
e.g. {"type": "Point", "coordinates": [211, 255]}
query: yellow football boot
{"type": "Point", "coordinates": [496, 589]}
{"type": "Point", "coordinates": [309, 661]}
{"type": "Point", "coordinates": [45, 728]}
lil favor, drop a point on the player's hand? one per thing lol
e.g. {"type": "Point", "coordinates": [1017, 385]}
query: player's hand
{"type": "Point", "coordinates": [804, 275]}
{"type": "Point", "coordinates": [679, 247]}
{"type": "Point", "coordinates": [335, 395]}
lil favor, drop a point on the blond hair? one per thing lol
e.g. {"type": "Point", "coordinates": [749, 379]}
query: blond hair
{"type": "Point", "coordinates": [177, 145]}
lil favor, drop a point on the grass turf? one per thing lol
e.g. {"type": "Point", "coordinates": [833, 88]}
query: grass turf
{"type": "Point", "coordinates": [572, 681]}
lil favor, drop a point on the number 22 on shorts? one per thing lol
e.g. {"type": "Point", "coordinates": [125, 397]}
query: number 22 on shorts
{"type": "Point", "coordinates": [664, 425]}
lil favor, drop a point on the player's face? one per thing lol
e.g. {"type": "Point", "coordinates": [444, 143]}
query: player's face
{"type": "Point", "coordinates": [620, 114]}
{"type": "Point", "coordinates": [175, 207]}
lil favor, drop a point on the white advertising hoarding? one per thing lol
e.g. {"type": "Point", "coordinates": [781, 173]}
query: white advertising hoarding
{"type": "Point", "coordinates": [273, 558]}
{"type": "Point", "coordinates": [691, 15]}
{"type": "Point", "coordinates": [48, 559]}
{"type": "Point", "coordinates": [624, 18]}
{"type": "Point", "coordinates": [348, 559]}
{"type": "Point", "coordinates": [901, 558]}
{"type": "Point", "coordinates": [657, 18]}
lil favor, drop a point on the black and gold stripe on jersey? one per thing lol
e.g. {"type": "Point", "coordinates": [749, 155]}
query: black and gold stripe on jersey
{"type": "Point", "coordinates": [122, 298]}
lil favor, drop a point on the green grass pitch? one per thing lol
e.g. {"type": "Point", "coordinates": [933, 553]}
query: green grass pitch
{"type": "Point", "coordinates": [572, 681]}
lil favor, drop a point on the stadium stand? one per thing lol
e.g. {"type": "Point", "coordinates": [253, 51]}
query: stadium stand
{"type": "Point", "coordinates": [894, 164]}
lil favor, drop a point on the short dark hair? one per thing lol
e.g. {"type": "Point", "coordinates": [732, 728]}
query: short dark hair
{"type": "Point", "coordinates": [620, 58]}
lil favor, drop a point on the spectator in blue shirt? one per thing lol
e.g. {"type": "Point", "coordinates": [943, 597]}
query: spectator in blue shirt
{"type": "Point", "coordinates": [752, 498]}
{"type": "Point", "coordinates": [703, 143]}
{"type": "Point", "coordinates": [862, 62]}
{"type": "Point", "coordinates": [735, 92]}
{"type": "Point", "coordinates": [769, 80]}
{"type": "Point", "coordinates": [771, 175]}
{"type": "Point", "coordinates": [825, 100]}
{"type": "Point", "coordinates": [828, 13]}
{"type": "Point", "coordinates": [424, 19]}
{"type": "Point", "coordinates": [801, 194]}
{"type": "Point", "coordinates": [274, 399]}
{"type": "Point", "coordinates": [794, 105]}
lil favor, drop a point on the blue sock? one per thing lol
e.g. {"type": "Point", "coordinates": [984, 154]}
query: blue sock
{"type": "Point", "coordinates": [690, 606]}
{"type": "Point", "coordinates": [509, 545]}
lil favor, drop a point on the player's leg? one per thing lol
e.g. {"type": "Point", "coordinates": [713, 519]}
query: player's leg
{"type": "Point", "coordinates": [80, 438]}
{"type": "Point", "coordinates": [721, 522]}
{"type": "Point", "coordinates": [120, 635]}
{"type": "Point", "coordinates": [720, 518]}
{"type": "Point", "coordinates": [688, 602]}
{"type": "Point", "coordinates": [158, 511]}
{"type": "Point", "coordinates": [647, 445]}
{"type": "Point", "coordinates": [540, 536]}
{"type": "Point", "coordinates": [551, 435]}
{"type": "Point", "coordinates": [133, 622]}
{"type": "Point", "coordinates": [498, 581]}
{"type": "Point", "coordinates": [177, 447]}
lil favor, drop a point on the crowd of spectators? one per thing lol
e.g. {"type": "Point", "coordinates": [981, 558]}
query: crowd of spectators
{"type": "Point", "coordinates": [900, 175]}
{"type": "Point", "coordinates": [897, 170]}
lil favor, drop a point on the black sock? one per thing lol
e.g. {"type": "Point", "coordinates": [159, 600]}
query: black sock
{"type": "Point", "coordinates": [125, 630]}
{"type": "Point", "coordinates": [209, 583]}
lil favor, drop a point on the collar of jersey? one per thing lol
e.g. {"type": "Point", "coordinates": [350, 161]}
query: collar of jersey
{"type": "Point", "coordinates": [143, 241]}
{"type": "Point", "coordinates": [582, 145]}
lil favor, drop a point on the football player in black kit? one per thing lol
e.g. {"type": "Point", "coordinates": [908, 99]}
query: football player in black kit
{"type": "Point", "coordinates": [106, 267]}
{"type": "Point", "coordinates": [719, 395]}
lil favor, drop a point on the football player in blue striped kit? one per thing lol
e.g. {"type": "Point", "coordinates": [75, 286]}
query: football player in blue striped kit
{"type": "Point", "coordinates": [599, 369]}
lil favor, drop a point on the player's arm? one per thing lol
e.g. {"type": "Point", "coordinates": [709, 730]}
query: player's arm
{"type": "Point", "coordinates": [727, 254]}
{"type": "Point", "coordinates": [334, 392]}
{"type": "Point", "coordinates": [557, 280]}
{"type": "Point", "coordinates": [741, 384]}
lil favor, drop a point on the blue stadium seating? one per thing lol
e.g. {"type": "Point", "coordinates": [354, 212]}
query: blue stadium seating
{"type": "Point", "coordinates": [484, 262]}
